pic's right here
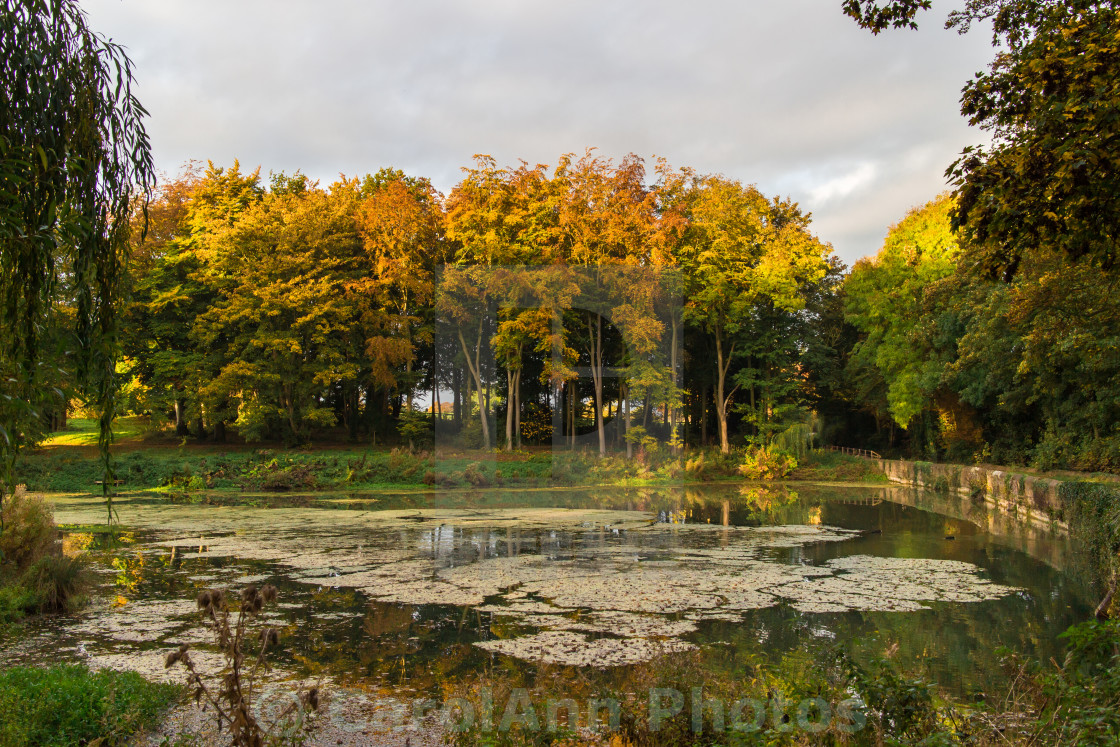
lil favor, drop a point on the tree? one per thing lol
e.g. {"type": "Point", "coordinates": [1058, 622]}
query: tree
{"type": "Point", "coordinates": [281, 321]}
{"type": "Point", "coordinates": [885, 302]}
{"type": "Point", "coordinates": [1052, 103]}
{"type": "Point", "coordinates": [401, 223]}
{"type": "Point", "coordinates": [499, 218]}
{"type": "Point", "coordinates": [180, 282]}
{"type": "Point", "coordinates": [73, 155]}
{"type": "Point", "coordinates": [898, 303]}
{"type": "Point", "coordinates": [607, 217]}
{"type": "Point", "coordinates": [742, 254]}
{"type": "Point", "coordinates": [1052, 175]}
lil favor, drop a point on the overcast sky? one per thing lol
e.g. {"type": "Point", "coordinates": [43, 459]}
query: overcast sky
{"type": "Point", "coordinates": [788, 94]}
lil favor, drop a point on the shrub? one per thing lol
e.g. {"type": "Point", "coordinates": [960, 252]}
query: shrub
{"type": "Point", "coordinates": [766, 464]}
{"type": "Point", "coordinates": [415, 427]}
{"type": "Point", "coordinates": [29, 532]}
{"type": "Point", "coordinates": [58, 583]}
{"type": "Point", "coordinates": [1082, 696]}
{"type": "Point", "coordinates": [70, 705]}
{"type": "Point", "coordinates": [293, 477]}
{"type": "Point", "coordinates": [475, 476]}
{"type": "Point", "coordinates": [898, 705]}
{"type": "Point", "coordinates": [16, 601]}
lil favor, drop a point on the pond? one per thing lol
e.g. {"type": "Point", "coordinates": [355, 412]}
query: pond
{"type": "Point", "coordinates": [415, 591]}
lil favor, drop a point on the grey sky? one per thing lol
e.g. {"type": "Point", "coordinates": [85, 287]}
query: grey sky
{"type": "Point", "coordinates": [787, 94]}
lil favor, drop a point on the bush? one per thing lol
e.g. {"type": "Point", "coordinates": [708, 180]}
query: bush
{"type": "Point", "coordinates": [415, 428]}
{"type": "Point", "coordinates": [29, 533]}
{"type": "Point", "coordinates": [57, 582]}
{"type": "Point", "coordinates": [767, 464]}
{"type": "Point", "coordinates": [292, 477]}
{"type": "Point", "coordinates": [70, 705]}
{"type": "Point", "coordinates": [16, 601]}
{"type": "Point", "coordinates": [1082, 696]}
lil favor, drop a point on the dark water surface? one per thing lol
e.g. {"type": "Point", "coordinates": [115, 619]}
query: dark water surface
{"type": "Point", "coordinates": [386, 631]}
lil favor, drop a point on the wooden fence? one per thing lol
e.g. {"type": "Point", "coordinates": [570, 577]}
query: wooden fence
{"type": "Point", "coordinates": [854, 452]}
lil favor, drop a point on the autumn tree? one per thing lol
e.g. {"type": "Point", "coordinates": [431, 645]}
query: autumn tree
{"type": "Point", "coordinates": [401, 224]}
{"type": "Point", "coordinates": [743, 254]}
{"type": "Point", "coordinates": [281, 318]}
{"type": "Point", "coordinates": [609, 221]}
{"type": "Point", "coordinates": [182, 283]}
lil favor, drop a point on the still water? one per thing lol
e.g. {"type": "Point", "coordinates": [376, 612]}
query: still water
{"type": "Point", "coordinates": [417, 591]}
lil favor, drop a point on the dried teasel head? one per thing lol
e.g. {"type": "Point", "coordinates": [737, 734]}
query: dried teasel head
{"type": "Point", "coordinates": [172, 659]}
{"type": "Point", "coordinates": [205, 600]}
{"type": "Point", "coordinates": [217, 598]}
{"type": "Point", "coordinates": [268, 593]}
{"type": "Point", "coordinates": [249, 593]}
{"type": "Point", "coordinates": [270, 637]}
{"type": "Point", "coordinates": [258, 603]}
{"type": "Point", "coordinates": [312, 699]}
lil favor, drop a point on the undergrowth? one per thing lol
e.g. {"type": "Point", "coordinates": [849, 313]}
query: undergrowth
{"type": "Point", "coordinates": [68, 705]}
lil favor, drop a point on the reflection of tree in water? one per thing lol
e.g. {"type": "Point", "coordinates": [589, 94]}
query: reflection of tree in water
{"type": "Point", "coordinates": [426, 648]}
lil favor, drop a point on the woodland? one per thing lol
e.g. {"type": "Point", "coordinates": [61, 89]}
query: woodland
{"type": "Point", "coordinates": [287, 312]}
{"type": "Point", "coordinates": [229, 305]}
{"type": "Point", "coordinates": [597, 305]}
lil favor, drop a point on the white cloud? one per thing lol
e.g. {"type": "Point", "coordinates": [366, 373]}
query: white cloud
{"type": "Point", "coordinates": [790, 95]}
{"type": "Point", "coordinates": [844, 185]}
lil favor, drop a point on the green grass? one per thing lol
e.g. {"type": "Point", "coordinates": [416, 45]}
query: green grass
{"type": "Point", "coordinates": [195, 468]}
{"type": "Point", "coordinates": [16, 602]}
{"type": "Point", "coordinates": [70, 705]}
{"type": "Point", "coordinates": [84, 432]}
{"type": "Point", "coordinates": [832, 466]}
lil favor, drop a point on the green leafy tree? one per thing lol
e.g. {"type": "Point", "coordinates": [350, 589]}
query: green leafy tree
{"type": "Point", "coordinates": [281, 319]}
{"type": "Point", "coordinates": [885, 301]}
{"type": "Point", "coordinates": [742, 256]}
{"type": "Point", "coordinates": [1052, 175]}
{"type": "Point", "coordinates": [899, 302]}
{"type": "Point", "coordinates": [1051, 100]}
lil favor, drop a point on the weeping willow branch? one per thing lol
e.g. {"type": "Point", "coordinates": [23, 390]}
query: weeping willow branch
{"type": "Point", "coordinates": [75, 161]}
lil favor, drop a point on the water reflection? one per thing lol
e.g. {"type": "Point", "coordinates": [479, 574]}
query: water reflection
{"type": "Point", "coordinates": [388, 631]}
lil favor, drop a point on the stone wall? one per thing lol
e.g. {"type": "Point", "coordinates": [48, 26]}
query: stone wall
{"type": "Point", "coordinates": [1012, 492]}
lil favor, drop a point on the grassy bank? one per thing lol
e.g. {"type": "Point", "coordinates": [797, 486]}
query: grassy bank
{"type": "Point", "coordinates": [76, 470]}
{"type": "Point", "coordinates": [67, 705]}
{"type": "Point", "coordinates": [59, 705]}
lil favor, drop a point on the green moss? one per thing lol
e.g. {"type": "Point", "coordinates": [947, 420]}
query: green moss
{"type": "Point", "coordinates": [1093, 512]}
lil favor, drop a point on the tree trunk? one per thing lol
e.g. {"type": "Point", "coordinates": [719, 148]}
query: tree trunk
{"type": "Point", "coordinates": [509, 408]}
{"type": "Point", "coordinates": [517, 409]}
{"type": "Point", "coordinates": [437, 411]}
{"type": "Point", "coordinates": [181, 428]}
{"type": "Point", "coordinates": [596, 352]}
{"type": "Point", "coordinates": [673, 363]}
{"type": "Point", "coordinates": [722, 401]}
{"type": "Point", "coordinates": [473, 366]}
{"type": "Point", "coordinates": [704, 415]}
{"type": "Point", "coordinates": [572, 413]}
{"type": "Point", "coordinates": [455, 397]}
